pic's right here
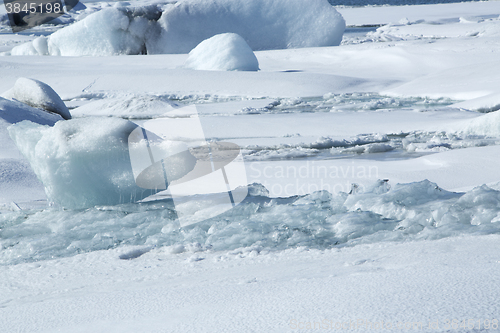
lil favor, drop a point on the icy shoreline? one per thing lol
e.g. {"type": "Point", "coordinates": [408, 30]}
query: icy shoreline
{"type": "Point", "coordinates": [417, 252]}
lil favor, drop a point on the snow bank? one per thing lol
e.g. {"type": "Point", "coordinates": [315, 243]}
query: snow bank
{"type": "Point", "coordinates": [264, 24]}
{"type": "Point", "coordinates": [223, 52]}
{"type": "Point", "coordinates": [37, 94]}
{"type": "Point", "coordinates": [81, 162]}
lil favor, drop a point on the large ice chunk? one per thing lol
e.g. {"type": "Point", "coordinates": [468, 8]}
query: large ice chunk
{"type": "Point", "coordinates": [17, 180]}
{"type": "Point", "coordinates": [111, 31]}
{"type": "Point", "coordinates": [264, 24]}
{"type": "Point", "coordinates": [81, 162]}
{"type": "Point", "coordinates": [223, 52]}
{"type": "Point", "coordinates": [12, 112]}
{"type": "Point", "coordinates": [37, 94]}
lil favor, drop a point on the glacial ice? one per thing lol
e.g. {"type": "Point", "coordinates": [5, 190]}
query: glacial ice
{"type": "Point", "coordinates": [384, 212]}
{"type": "Point", "coordinates": [223, 52]}
{"type": "Point", "coordinates": [81, 162]}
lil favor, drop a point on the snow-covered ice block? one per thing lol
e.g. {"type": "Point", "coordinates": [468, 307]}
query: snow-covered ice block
{"type": "Point", "coordinates": [81, 162]}
{"type": "Point", "coordinates": [111, 31]}
{"type": "Point", "coordinates": [264, 24]}
{"type": "Point", "coordinates": [37, 94]}
{"type": "Point", "coordinates": [223, 52]}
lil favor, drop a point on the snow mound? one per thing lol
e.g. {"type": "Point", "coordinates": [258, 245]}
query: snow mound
{"type": "Point", "coordinates": [264, 24]}
{"type": "Point", "coordinates": [39, 95]}
{"type": "Point", "coordinates": [81, 162]}
{"type": "Point", "coordinates": [223, 52]}
{"type": "Point", "coordinates": [111, 31]}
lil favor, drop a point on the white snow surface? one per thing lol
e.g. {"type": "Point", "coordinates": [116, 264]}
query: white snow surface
{"type": "Point", "coordinates": [250, 289]}
{"type": "Point", "coordinates": [37, 94]}
{"type": "Point", "coordinates": [223, 52]}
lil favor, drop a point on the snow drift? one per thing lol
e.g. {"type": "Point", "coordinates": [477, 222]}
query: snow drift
{"type": "Point", "coordinates": [223, 52]}
{"type": "Point", "coordinates": [264, 24]}
{"type": "Point", "coordinates": [39, 95]}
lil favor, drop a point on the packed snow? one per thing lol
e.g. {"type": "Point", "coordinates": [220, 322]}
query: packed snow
{"type": "Point", "coordinates": [373, 198]}
{"type": "Point", "coordinates": [223, 52]}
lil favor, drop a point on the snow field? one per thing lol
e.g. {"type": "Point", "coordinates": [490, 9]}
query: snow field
{"type": "Point", "coordinates": [402, 249]}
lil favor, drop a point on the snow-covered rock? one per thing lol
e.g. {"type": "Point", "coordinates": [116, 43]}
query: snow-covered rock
{"type": "Point", "coordinates": [223, 52]}
{"type": "Point", "coordinates": [81, 162]}
{"type": "Point", "coordinates": [37, 94]}
{"type": "Point", "coordinates": [264, 24]}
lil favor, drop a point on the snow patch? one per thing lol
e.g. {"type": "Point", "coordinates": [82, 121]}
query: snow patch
{"type": "Point", "coordinates": [223, 52]}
